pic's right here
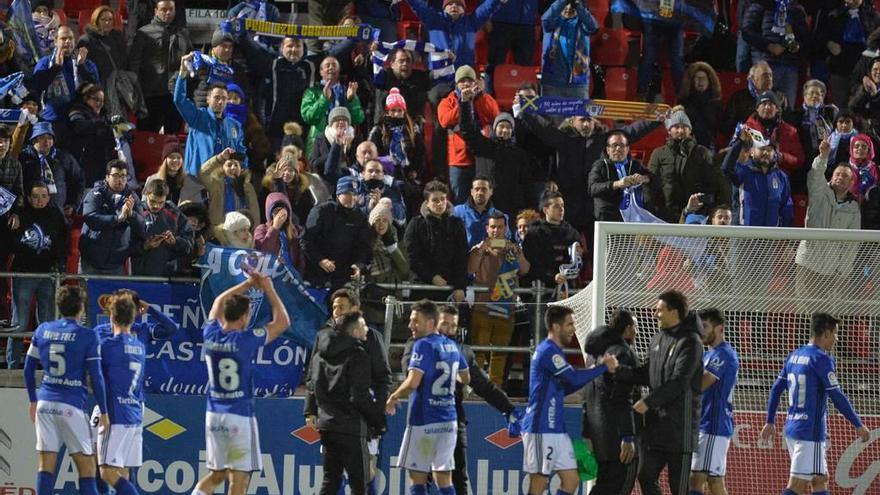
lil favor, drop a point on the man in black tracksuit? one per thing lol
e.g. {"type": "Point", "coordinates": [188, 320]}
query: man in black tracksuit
{"type": "Point", "coordinates": [494, 396]}
{"type": "Point", "coordinates": [609, 422]}
{"type": "Point", "coordinates": [347, 412]}
{"type": "Point", "coordinates": [673, 371]}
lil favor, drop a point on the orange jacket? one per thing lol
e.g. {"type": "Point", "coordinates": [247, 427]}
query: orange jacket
{"type": "Point", "coordinates": [486, 109]}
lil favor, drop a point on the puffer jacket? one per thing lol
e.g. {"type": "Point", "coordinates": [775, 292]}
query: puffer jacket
{"type": "Point", "coordinates": [508, 165]}
{"type": "Point", "coordinates": [337, 233]}
{"type": "Point", "coordinates": [826, 212]}
{"type": "Point", "coordinates": [678, 170]}
{"type": "Point", "coordinates": [341, 381]}
{"type": "Point", "coordinates": [155, 55]}
{"type": "Point", "coordinates": [608, 415]}
{"type": "Point", "coordinates": [437, 245]}
{"type": "Point", "coordinates": [606, 199]}
{"type": "Point", "coordinates": [105, 241]}
{"type": "Point", "coordinates": [160, 261]}
{"type": "Point", "coordinates": [268, 240]}
{"type": "Point", "coordinates": [673, 371]}
{"type": "Point", "coordinates": [757, 31]}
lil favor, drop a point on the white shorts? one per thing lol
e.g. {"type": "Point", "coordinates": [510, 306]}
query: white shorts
{"type": "Point", "coordinates": [122, 447]}
{"type": "Point", "coordinates": [233, 442]}
{"type": "Point", "coordinates": [60, 424]}
{"type": "Point", "coordinates": [807, 458]}
{"type": "Point", "coordinates": [711, 455]}
{"type": "Point", "coordinates": [547, 453]}
{"type": "Point", "coordinates": [428, 448]}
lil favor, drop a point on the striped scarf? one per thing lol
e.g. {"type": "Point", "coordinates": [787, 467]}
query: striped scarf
{"type": "Point", "coordinates": [439, 60]}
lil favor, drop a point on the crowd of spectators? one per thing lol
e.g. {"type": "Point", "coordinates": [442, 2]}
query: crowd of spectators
{"type": "Point", "coordinates": [293, 148]}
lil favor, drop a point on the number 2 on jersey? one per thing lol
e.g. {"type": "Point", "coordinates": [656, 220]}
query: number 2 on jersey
{"type": "Point", "coordinates": [797, 390]}
{"type": "Point", "coordinates": [444, 383]}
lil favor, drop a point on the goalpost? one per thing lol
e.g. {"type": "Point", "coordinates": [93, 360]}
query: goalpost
{"type": "Point", "coordinates": [768, 282]}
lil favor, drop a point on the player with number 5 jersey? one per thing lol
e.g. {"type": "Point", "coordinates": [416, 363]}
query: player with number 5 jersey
{"type": "Point", "coordinates": [66, 351]}
{"type": "Point", "coordinates": [431, 429]}
{"type": "Point", "coordinates": [233, 444]}
{"type": "Point", "coordinates": [809, 376]}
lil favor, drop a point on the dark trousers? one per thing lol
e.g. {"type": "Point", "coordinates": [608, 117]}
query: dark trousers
{"type": "Point", "coordinates": [653, 461]}
{"type": "Point", "coordinates": [162, 113]}
{"type": "Point", "coordinates": [460, 474]}
{"type": "Point", "coordinates": [615, 478]}
{"type": "Point", "coordinates": [346, 453]}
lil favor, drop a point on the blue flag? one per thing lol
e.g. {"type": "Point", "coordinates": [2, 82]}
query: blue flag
{"type": "Point", "coordinates": [23, 31]}
{"type": "Point", "coordinates": [695, 15]}
{"type": "Point", "coordinates": [222, 269]}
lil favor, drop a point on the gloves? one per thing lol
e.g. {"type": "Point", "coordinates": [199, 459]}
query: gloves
{"type": "Point", "coordinates": [514, 423]}
{"type": "Point", "coordinates": [26, 117]}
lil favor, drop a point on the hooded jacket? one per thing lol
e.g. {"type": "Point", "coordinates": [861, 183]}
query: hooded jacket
{"type": "Point", "coordinates": [437, 245]}
{"type": "Point", "coordinates": [459, 36]}
{"type": "Point", "coordinates": [268, 240]}
{"type": "Point", "coordinates": [606, 199]}
{"type": "Point", "coordinates": [105, 240]}
{"type": "Point", "coordinates": [508, 165]}
{"type": "Point", "coordinates": [337, 233]}
{"type": "Point", "coordinates": [679, 169]}
{"type": "Point", "coordinates": [608, 415]}
{"type": "Point", "coordinates": [160, 261]}
{"type": "Point", "coordinates": [866, 174]}
{"type": "Point", "coordinates": [340, 379]}
{"type": "Point", "coordinates": [40, 242]}
{"type": "Point", "coordinates": [764, 197]}
{"type": "Point", "coordinates": [674, 371]}
{"type": "Point", "coordinates": [155, 55]}
{"type": "Point", "coordinates": [485, 108]}
{"type": "Point", "coordinates": [213, 178]}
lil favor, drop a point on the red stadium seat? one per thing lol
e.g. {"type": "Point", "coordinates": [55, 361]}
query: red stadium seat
{"type": "Point", "coordinates": [611, 47]}
{"type": "Point", "coordinates": [481, 53]}
{"type": "Point", "coordinates": [409, 30]}
{"type": "Point", "coordinates": [620, 83]}
{"type": "Point", "coordinates": [146, 151]}
{"type": "Point", "coordinates": [599, 9]}
{"type": "Point", "coordinates": [731, 82]}
{"type": "Point", "coordinates": [428, 136]}
{"type": "Point", "coordinates": [73, 7]}
{"type": "Point", "coordinates": [72, 264]}
{"type": "Point", "coordinates": [62, 16]}
{"type": "Point", "coordinates": [508, 78]}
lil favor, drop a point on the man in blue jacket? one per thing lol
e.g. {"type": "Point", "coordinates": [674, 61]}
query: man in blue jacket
{"type": "Point", "coordinates": [209, 131]}
{"type": "Point", "coordinates": [107, 216]}
{"type": "Point", "coordinates": [56, 78]}
{"type": "Point", "coordinates": [477, 210]}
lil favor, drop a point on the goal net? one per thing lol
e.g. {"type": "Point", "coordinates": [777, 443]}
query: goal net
{"type": "Point", "coordinates": [767, 282]}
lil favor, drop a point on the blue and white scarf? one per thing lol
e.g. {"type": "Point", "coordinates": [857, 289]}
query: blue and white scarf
{"type": "Point", "coordinates": [46, 173]}
{"type": "Point", "coordinates": [218, 72]}
{"type": "Point", "coordinates": [395, 147]}
{"type": "Point", "coordinates": [439, 60]}
{"type": "Point", "coordinates": [7, 199]}
{"type": "Point", "coordinates": [854, 31]}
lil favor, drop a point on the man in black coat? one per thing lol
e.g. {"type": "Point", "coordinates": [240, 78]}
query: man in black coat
{"type": "Point", "coordinates": [673, 371]}
{"type": "Point", "coordinates": [547, 242]}
{"type": "Point", "coordinates": [612, 174]}
{"type": "Point", "coordinates": [480, 384]}
{"type": "Point", "coordinates": [347, 411]}
{"type": "Point", "coordinates": [609, 422]}
{"type": "Point", "coordinates": [413, 84]}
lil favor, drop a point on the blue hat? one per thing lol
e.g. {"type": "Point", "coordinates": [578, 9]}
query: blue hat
{"type": "Point", "coordinates": [235, 88]}
{"type": "Point", "coordinates": [41, 128]}
{"type": "Point", "coordinates": [347, 184]}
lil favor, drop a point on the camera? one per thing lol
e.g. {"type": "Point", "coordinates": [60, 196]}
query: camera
{"type": "Point", "coordinates": [790, 43]}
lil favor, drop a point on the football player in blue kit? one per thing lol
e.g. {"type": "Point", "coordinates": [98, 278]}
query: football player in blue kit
{"type": "Point", "coordinates": [231, 435]}
{"type": "Point", "coordinates": [66, 351]}
{"type": "Point", "coordinates": [432, 424]}
{"type": "Point", "coordinates": [123, 357]}
{"type": "Point", "coordinates": [547, 448]}
{"type": "Point", "coordinates": [809, 377]}
{"type": "Point", "coordinates": [720, 367]}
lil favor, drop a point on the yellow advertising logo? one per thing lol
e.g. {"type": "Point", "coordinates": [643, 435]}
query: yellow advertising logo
{"type": "Point", "coordinates": [162, 427]}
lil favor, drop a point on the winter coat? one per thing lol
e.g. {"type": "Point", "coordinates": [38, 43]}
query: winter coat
{"type": "Point", "coordinates": [791, 154]}
{"type": "Point", "coordinates": [606, 199]}
{"type": "Point", "coordinates": [155, 55]}
{"type": "Point", "coordinates": [826, 212]}
{"type": "Point", "coordinates": [391, 189]}
{"type": "Point", "coordinates": [740, 106]}
{"type": "Point", "coordinates": [67, 173]}
{"type": "Point", "coordinates": [414, 90]}
{"type": "Point", "coordinates": [268, 240]}
{"type": "Point", "coordinates": [546, 247]}
{"type": "Point", "coordinates": [189, 191]}
{"type": "Point", "coordinates": [107, 51]}
{"type": "Point", "coordinates": [40, 241]}
{"type": "Point", "coordinates": [205, 130]}
{"type": "Point", "coordinates": [673, 370]}
{"type": "Point", "coordinates": [414, 148]}
{"type": "Point", "coordinates": [332, 160]}
{"type": "Point", "coordinates": [123, 94]}
{"type": "Point", "coordinates": [479, 384]}
{"type": "Point", "coordinates": [867, 106]}
{"type": "Point", "coordinates": [212, 177]}
{"type": "Point", "coordinates": [288, 82]}
{"type": "Point", "coordinates": [575, 153]}
{"type": "Point", "coordinates": [556, 71]}
{"type": "Point", "coordinates": [705, 114]}
{"type": "Point", "coordinates": [809, 133]}
{"type": "Point", "coordinates": [608, 415]}
{"type": "Point", "coordinates": [507, 164]}
{"type": "Point", "coordinates": [303, 194]}
{"type": "Point", "coordinates": [58, 94]}
{"type": "Point", "coordinates": [11, 179]}
{"type": "Point", "coordinates": [458, 36]}
{"type": "Point", "coordinates": [448, 111]}
{"type": "Point", "coordinates": [339, 234]}
{"type": "Point", "coordinates": [315, 108]}
{"type": "Point", "coordinates": [829, 26]}
{"type": "Point", "coordinates": [93, 144]}
{"type": "Point", "coordinates": [340, 379]}
{"type": "Point", "coordinates": [437, 245]}
{"type": "Point", "coordinates": [390, 265]}
{"type": "Point", "coordinates": [765, 197]}
{"type": "Point", "coordinates": [160, 261]}
{"type": "Point", "coordinates": [757, 31]}
{"type": "Point", "coordinates": [105, 241]}
{"type": "Point", "coordinates": [678, 170]}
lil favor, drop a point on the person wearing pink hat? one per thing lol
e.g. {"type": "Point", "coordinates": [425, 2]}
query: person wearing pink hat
{"type": "Point", "coordinates": [397, 136]}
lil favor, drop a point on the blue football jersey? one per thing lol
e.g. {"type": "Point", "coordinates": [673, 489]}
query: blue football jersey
{"type": "Point", "coordinates": [721, 362]}
{"type": "Point", "coordinates": [230, 359]}
{"type": "Point", "coordinates": [439, 360]}
{"type": "Point", "coordinates": [546, 390]}
{"type": "Point", "coordinates": [159, 327]}
{"type": "Point", "coordinates": [809, 372]}
{"type": "Point", "coordinates": [123, 358]}
{"type": "Point", "coordinates": [63, 348]}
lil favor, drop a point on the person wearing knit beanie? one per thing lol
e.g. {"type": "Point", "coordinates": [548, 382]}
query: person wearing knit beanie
{"type": "Point", "coordinates": [465, 72]}
{"type": "Point", "coordinates": [172, 146]}
{"type": "Point", "coordinates": [679, 117]}
{"type": "Point", "coordinates": [237, 229]}
{"type": "Point", "coordinates": [339, 112]}
{"type": "Point", "coordinates": [219, 37]}
{"type": "Point", "coordinates": [395, 100]}
{"type": "Point", "coordinates": [381, 210]}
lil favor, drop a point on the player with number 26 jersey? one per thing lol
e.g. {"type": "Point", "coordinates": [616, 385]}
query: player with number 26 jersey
{"type": "Point", "coordinates": [439, 359]}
